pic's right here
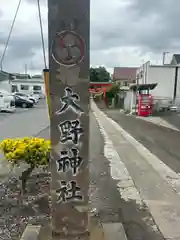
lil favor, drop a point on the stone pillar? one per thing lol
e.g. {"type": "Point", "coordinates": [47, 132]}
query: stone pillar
{"type": "Point", "coordinates": [69, 114]}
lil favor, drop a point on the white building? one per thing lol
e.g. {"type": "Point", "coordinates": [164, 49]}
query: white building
{"type": "Point", "coordinates": [167, 90]}
{"type": "Point", "coordinates": [22, 83]}
{"type": "Point", "coordinates": [5, 81]}
{"type": "Point", "coordinates": [167, 78]}
{"type": "Point", "coordinates": [29, 85]}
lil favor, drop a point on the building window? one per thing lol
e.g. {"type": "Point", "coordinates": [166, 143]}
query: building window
{"type": "Point", "coordinates": [14, 88]}
{"type": "Point", "coordinates": [37, 88]}
{"type": "Point", "coordinates": [24, 87]}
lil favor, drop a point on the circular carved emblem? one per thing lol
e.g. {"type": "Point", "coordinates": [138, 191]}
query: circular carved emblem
{"type": "Point", "coordinates": [68, 48]}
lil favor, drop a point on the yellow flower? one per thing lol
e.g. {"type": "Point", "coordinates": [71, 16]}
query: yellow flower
{"type": "Point", "coordinates": [33, 151]}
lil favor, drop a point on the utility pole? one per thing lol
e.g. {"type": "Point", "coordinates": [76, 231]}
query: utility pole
{"type": "Point", "coordinates": [164, 56]}
{"type": "Point", "coordinates": [69, 116]}
{"type": "Point", "coordinates": [26, 70]}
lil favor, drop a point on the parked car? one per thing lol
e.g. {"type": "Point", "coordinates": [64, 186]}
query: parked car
{"type": "Point", "coordinates": [33, 99]}
{"type": "Point", "coordinates": [23, 102]}
{"type": "Point", "coordinates": [7, 101]}
{"type": "Point", "coordinates": [40, 94]}
{"type": "Point", "coordinates": [36, 96]}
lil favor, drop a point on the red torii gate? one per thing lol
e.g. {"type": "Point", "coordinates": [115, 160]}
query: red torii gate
{"type": "Point", "coordinates": [99, 87]}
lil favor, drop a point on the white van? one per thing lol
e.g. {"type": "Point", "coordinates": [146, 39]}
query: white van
{"type": "Point", "coordinates": [7, 101]}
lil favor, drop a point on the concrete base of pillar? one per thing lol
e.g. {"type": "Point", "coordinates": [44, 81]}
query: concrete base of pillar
{"type": "Point", "coordinates": [95, 232]}
{"type": "Point", "coordinates": [31, 232]}
{"type": "Point", "coordinates": [98, 231]}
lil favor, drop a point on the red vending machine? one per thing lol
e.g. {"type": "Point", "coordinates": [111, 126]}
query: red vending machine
{"type": "Point", "coordinates": [144, 104]}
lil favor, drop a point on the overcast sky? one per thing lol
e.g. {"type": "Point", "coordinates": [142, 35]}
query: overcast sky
{"type": "Point", "coordinates": [123, 33]}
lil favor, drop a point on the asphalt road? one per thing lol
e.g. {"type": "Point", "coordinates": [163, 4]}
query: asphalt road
{"type": "Point", "coordinates": [161, 141]}
{"type": "Point", "coordinates": [173, 119]}
{"type": "Point", "coordinates": [24, 122]}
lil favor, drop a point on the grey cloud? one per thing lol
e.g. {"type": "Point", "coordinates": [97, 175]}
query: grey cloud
{"type": "Point", "coordinates": [142, 7]}
{"type": "Point", "coordinates": [150, 25]}
{"type": "Point", "coordinates": [21, 49]}
{"type": "Point", "coordinates": [1, 13]}
{"type": "Point", "coordinates": [14, 65]}
{"type": "Point", "coordinates": [22, 45]}
{"type": "Point", "coordinates": [163, 33]}
{"type": "Point", "coordinates": [44, 2]}
{"type": "Point", "coordinates": [37, 65]}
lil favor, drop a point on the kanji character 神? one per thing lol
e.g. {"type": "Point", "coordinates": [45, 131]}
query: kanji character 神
{"type": "Point", "coordinates": [69, 159]}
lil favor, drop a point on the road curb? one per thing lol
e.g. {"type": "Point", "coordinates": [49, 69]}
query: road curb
{"type": "Point", "coordinates": [31, 232]}
{"type": "Point", "coordinates": [119, 172]}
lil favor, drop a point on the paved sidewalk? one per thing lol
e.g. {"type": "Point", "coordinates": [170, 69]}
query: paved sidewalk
{"type": "Point", "coordinates": [160, 198]}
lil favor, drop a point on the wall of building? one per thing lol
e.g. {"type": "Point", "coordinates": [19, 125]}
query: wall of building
{"type": "Point", "coordinates": [142, 73]}
{"type": "Point", "coordinates": [125, 82]}
{"type": "Point", "coordinates": [29, 86]}
{"type": "Point", "coordinates": [5, 85]}
{"type": "Point", "coordinates": [178, 88]}
{"type": "Point", "coordinates": [164, 76]}
{"type": "Point", "coordinates": [130, 99]}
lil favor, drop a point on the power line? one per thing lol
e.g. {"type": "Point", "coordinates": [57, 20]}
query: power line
{"type": "Point", "coordinates": [7, 42]}
{"type": "Point", "coordinates": [11, 29]}
{"type": "Point", "coordinates": [42, 37]}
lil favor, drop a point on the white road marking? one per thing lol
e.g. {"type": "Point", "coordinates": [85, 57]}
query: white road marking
{"type": "Point", "coordinates": [119, 172]}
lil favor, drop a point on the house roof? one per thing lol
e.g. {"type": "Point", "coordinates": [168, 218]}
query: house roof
{"type": "Point", "coordinates": [31, 80]}
{"type": "Point", "coordinates": [4, 76]}
{"type": "Point", "coordinates": [123, 73]}
{"type": "Point", "coordinates": [140, 87]}
{"type": "Point", "coordinates": [37, 76]}
{"type": "Point", "coordinates": [21, 76]}
{"type": "Point", "coordinates": [177, 58]}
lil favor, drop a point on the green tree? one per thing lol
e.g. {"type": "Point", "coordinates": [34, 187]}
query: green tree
{"type": "Point", "coordinates": [113, 91]}
{"type": "Point", "coordinates": [99, 75]}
